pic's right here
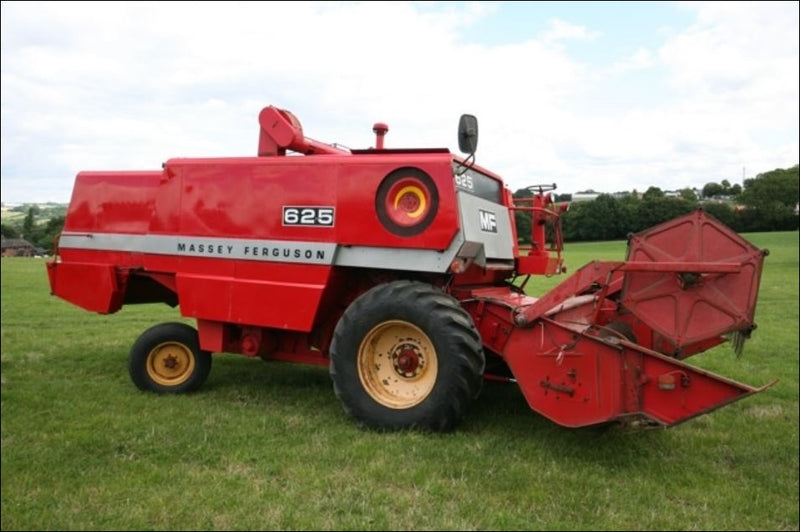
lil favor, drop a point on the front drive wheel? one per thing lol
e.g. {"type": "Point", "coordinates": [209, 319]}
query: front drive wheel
{"type": "Point", "coordinates": [167, 358]}
{"type": "Point", "coordinates": [406, 355]}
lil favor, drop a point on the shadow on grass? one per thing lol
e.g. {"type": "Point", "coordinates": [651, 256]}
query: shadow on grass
{"type": "Point", "coordinates": [502, 410]}
{"type": "Point", "coordinates": [499, 415]}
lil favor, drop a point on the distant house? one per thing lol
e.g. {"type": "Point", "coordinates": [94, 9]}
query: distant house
{"type": "Point", "coordinates": [591, 196]}
{"type": "Point", "coordinates": [585, 196]}
{"type": "Point", "coordinates": [18, 247]}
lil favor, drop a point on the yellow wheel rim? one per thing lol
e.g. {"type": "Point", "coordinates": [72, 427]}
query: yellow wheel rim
{"type": "Point", "coordinates": [397, 364]}
{"type": "Point", "coordinates": [170, 364]}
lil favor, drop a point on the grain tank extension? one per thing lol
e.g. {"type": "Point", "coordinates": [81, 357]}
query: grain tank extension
{"type": "Point", "coordinates": [400, 271]}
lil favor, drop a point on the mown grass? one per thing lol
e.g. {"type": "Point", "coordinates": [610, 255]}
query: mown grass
{"type": "Point", "coordinates": [267, 446]}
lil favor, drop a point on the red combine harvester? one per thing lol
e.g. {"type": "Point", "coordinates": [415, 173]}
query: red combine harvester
{"type": "Point", "coordinates": [400, 270]}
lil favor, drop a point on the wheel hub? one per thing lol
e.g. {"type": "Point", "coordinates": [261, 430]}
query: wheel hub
{"type": "Point", "coordinates": [170, 362]}
{"type": "Point", "coordinates": [407, 360]}
{"type": "Point", "coordinates": [397, 364]}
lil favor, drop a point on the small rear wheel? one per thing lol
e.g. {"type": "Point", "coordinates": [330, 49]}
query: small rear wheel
{"type": "Point", "coordinates": [167, 358]}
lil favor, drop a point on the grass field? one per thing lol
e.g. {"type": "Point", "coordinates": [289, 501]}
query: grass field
{"type": "Point", "coordinates": [267, 446]}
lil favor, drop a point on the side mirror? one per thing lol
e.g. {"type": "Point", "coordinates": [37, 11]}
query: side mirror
{"type": "Point", "coordinates": [468, 134]}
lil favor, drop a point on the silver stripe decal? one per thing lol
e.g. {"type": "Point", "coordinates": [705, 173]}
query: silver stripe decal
{"type": "Point", "coordinates": [421, 260]}
{"type": "Point", "coordinates": [209, 247]}
{"type": "Point", "coordinates": [416, 260]}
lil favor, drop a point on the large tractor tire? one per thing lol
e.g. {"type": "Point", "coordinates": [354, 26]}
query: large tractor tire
{"type": "Point", "coordinates": [167, 358]}
{"type": "Point", "coordinates": [405, 355]}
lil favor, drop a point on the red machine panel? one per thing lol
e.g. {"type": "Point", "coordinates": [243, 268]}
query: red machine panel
{"type": "Point", "coordinates": [713, 293]}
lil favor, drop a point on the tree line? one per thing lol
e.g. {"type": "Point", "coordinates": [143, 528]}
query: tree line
{"type": "Point", "coordinates": [768, 202]}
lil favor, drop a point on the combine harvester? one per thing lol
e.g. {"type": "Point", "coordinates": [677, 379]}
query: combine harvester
{"type": "Point", "coordinates": [400, 270]}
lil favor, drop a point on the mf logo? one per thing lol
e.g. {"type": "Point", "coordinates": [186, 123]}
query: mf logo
{"type": "Point", "coordinates": [488, 221]}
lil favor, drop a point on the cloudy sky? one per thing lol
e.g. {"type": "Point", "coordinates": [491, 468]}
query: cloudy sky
{"type": "Point", "coordinates": [607, 96]}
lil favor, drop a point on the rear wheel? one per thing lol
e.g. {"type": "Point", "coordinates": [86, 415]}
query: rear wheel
{"type": "Point", "coordinates": [167, 358]}
{"type": "Point", "coordinates": [406, 355]}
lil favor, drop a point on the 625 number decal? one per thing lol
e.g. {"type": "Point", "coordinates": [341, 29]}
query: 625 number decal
{"type": "Point", "coordinates": [313, 216]}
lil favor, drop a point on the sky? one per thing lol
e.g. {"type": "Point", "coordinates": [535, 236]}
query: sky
{"type": "Point", "coordinates": [603, 96]}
